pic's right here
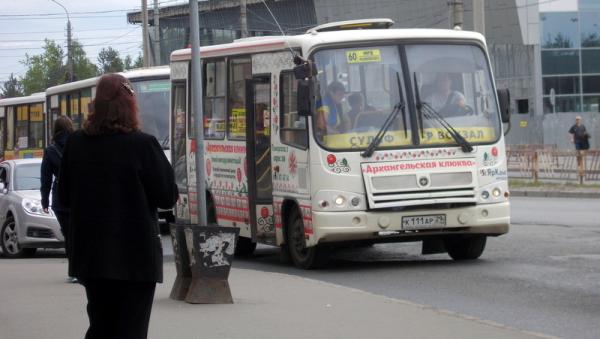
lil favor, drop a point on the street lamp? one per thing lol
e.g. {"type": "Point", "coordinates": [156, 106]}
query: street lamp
{"type": "Point", "coordinates": [69, 47]}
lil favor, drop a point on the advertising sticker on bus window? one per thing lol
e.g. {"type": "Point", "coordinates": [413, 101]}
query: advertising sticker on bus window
{"type": "Point", "coordinates": [363, 56]}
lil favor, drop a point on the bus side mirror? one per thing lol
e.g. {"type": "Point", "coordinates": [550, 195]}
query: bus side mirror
{"type": "Point", "coordinates": [304, 97]}
{"type": "Point", "coordinates": [504, 102]}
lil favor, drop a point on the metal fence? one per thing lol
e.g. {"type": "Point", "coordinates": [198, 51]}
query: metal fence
{"type": "Point", "coordinates": [545, 162]}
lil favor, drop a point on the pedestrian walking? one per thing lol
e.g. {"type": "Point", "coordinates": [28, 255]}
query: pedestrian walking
{"type": "Point", "coordinates": [62, 128]}
{"type": "Point", "coordinates": [579, 135]}
{"type": "Point", "coordinates": [113, 178]}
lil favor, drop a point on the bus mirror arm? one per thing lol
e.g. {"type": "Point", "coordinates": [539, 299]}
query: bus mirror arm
{"type": "Point", "coordinates": [304, 97]}
{"type": "Point", "coordinates": [504, 102]}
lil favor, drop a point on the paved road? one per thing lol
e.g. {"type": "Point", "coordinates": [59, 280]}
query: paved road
{"type": "Point", "coordinates": [543, 276]}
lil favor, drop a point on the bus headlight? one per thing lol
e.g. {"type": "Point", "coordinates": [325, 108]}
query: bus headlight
{"type": "Point", "coordinates": [355, 201]}
{"type": "Point", "coordinates": [485, 195]}
{"type": "Point", "coordinates": [496, 192]}
{"type": "Point", "coordinates": [340, 201]}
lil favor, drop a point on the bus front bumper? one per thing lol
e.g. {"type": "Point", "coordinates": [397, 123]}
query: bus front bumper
{"type": "Point", "coordinates": [485, 219]}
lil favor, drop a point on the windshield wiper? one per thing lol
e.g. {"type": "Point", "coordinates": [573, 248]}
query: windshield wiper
{"type": "Point", "coordinates": [432, 114]}
{"type": "Point", "coordinates": [400, 106]}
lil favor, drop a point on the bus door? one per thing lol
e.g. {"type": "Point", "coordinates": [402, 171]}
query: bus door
{"type": "Point", "coordinates": [258, 162]}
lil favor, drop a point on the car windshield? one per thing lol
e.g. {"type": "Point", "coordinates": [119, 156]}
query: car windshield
{"type": "Point", "coordinates": [358, 88]}
{"type": "Point", "coordinates": [153, 102]}
{"type": "Point", "coordinates": [27, 177]}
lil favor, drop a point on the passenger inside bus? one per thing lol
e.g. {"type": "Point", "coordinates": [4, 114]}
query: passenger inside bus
{"type": "Point", "coordinates": [444, 99]}
{"type": "Point", "coordinates": [330, 112]}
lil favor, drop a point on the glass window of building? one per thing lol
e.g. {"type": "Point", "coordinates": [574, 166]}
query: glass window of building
{"type": "Point", "coordinates": [560, 62]}
{"type": "Point", "coordinates": [590, 60]}
{"type": "Point", "coordinates": [559, 30]}
{"type": "Point", "coordinates": [591, 103]}
{"type": "Point", "coordinates": [590, 29]}
{"type": "Point", "coordinates": [563, 104]}
{"type": "Point", "coordinates": [561, 85]}
{"type": "Point", "coordinates": [591, 84]}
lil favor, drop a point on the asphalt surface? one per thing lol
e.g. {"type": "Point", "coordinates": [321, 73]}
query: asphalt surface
{"type": "Point", "coordinates": [543, 276]}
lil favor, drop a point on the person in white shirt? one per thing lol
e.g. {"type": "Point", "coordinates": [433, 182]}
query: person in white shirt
{"type": "Point", "coordinates": [445, 100]}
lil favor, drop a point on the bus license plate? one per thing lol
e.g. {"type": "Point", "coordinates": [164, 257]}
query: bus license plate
{"type": "Point", "coordinates": [423, 221]}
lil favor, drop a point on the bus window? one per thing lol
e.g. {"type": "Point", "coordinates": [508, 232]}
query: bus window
{"type": "Point", "coordinates": [2, 131]}
{"type": "Point", "coordinates": [74, 111]}
{"type": "Point", "coordinates": [178, 152]}
{"type": "Point", "coordinates": [153, 104]}
{"type": "Point", "coordinates": [239, 71]}
{"type": "Point", "coordinates": [293, 126]}
{"type": "Point", "coordinates": [22, 135]}
{"type": "Point", "coordinates": [63, 104]}
{"type": "Point", "coordinates": [214, 101]}
{"type": "Point", "coordinates": [36, 126]}
{"type": "Point", "coordinates": [10, 128]}
{"type": "Point", "coordinates": [85, 101]}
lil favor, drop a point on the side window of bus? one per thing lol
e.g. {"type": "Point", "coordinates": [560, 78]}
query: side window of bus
{"type": "Point", "coordinates": [178, 158]}
{"type": "Point", "coordinates": [36, 126]}
{"type": "Point", "coordinates": [10, 128]}
{"type": "Point", "coordinates": [293, 126]}
{"type": "Point", "coordinates": [215, 88]}
{"type": "Point", "coordinates": [22, 126]}
{"type": "Point", "coordinates": [239, 70]}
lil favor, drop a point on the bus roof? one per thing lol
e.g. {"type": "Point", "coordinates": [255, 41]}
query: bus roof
{"type": "Point", "coordinates": [308, 41]}
{"type": "Point", "coordinates": [133, 75]}
{"type": "Point", "coordinates": [34, 98]}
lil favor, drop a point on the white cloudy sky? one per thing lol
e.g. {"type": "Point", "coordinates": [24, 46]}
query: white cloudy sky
{"type": "Point", "coordinates": [24, 24]}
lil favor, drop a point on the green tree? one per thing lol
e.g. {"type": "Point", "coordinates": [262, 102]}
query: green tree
{"type": "Point", "coordinates": [109, 60]}
{"type": "Point", "coordinates": [83, 68]}
{"type": "Point", "coordinates": [129, 63]}
{"type": "Point", "coordinates": [11, 88]}
{"type": "Point", "coordinates": [43, 70]}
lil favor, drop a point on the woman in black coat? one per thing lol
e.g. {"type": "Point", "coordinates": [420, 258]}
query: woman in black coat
{"type": "Point", "coordinates": [113, 178]}
{"type": "Point", "coordinates": [62, 128]}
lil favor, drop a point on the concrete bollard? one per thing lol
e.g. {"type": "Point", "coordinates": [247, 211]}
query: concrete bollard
{"type": "Point", "coordinates": [211, 250]}
{"type": "Point", "coordinates": [182, 262]}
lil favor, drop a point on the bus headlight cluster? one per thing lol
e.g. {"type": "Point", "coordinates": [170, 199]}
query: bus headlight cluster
{"type": "Point", "coordinates": [496, 192]}
{"type": "Point", "coordinates": [337, 200]}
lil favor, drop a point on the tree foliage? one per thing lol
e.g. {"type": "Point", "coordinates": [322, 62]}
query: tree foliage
{"type": "Point", "coordinates": [44, 70]}
{"type": "Point", "coordinates": [129, 63]}
{"type": "Point", "coordinates": [11, 88]}
{"type": "Point", "coordinates": [110, 61]}
{"type": "Point", "coordinates": [50, 68]}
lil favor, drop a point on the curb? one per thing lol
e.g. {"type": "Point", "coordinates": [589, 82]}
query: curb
{"type": "Point", "coordinates": [554, 194]}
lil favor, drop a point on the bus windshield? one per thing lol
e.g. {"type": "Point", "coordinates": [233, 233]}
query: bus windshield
{"type": "Point", "coordinates": [359, 87]}
{"type": "Point", "coordinates": [153, 104]}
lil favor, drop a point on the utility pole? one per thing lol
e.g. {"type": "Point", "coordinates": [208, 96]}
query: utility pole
{"type": "Point", "coordinates": [156, 34]}
{"type": "Point", "coordinates": [479, 16]}
{"type": "Point", "coordinates": [198, 116]}
{"type": "Point", "coordinates": [457, 14]}
{"type": "Point", "coordinates": [69, 44]}
{"type": "Point", "coordinates": [243, 19]}
{"type": "Point", "coordinates": [145, 54]}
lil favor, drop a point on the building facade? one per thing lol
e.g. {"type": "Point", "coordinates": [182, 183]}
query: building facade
{"type": "Point", "coordinates": [545, 52]}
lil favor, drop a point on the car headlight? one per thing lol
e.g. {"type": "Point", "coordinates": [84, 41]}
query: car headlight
{"type": "Point", "coordinates": [34, 207]}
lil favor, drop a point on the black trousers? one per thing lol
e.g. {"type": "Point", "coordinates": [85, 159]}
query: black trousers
{"type": "Point", "coordinates": [118, 309]}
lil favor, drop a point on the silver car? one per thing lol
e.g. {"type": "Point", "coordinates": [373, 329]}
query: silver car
{"type": "Point", "coordinates": [25, 226]}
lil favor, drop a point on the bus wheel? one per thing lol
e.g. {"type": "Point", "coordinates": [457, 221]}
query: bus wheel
{"type": "Point", "coordinates": [465, 248]}
{"type": "Point", "coordinates": [244, 247]}
{"type": "Point", "coordinates": [302, 256]}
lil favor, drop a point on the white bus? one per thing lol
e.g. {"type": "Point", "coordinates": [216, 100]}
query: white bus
{"type": "Point", "coordinates": [151, 86]}
{"type": "Point", "coordinates": [22, 127]}
{"type": "Point", "coordinates": [152, 89]}
{"type": "Point", "coordinates": [377, 135]}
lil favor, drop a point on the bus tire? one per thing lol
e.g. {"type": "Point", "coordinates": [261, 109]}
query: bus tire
{"type": "Point", "coordinates": [302, 256]}
{"type": "Point", "coordinates": [465, 248]}
{"type": "Point", "coordinates": [244, 247]}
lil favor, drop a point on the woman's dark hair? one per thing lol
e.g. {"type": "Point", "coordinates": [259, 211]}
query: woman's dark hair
{"type": "Point", "coordinates": [114, 109]}
{"type": "Point", "coordinates": [62, 125]}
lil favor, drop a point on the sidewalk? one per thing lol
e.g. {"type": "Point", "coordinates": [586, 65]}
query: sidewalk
{"type": "Point", "coordinates": [558, 191]}
{"type": "Point", "coordinates": [35, 302]}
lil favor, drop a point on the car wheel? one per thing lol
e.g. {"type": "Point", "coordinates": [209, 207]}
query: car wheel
{"type": "Point", "coordinates": [9, 241]}
{"type": "Point", "coordinates": [302, 256]}
{"type": "Point", "coordinates": [465, 248]}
